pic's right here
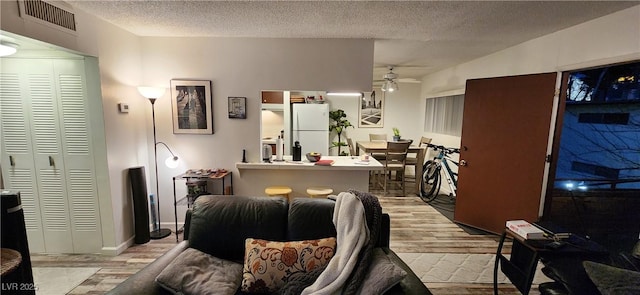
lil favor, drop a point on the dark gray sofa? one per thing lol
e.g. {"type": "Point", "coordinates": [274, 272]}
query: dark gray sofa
{"type": "Point", "coordinates": [219, 225]}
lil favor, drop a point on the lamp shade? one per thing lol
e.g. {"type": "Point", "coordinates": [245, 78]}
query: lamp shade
{"type": "Point", "coordinates": [172, 162]}
{"type": "Point", "coordinates": [151, 92]}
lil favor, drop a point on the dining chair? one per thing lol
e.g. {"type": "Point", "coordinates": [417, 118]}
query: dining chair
{"type": "Point", "coordinates": [395, 160]}
{"type": "Point", "coordinates": [352, 148]}
{"type": "Point", "coordinates": [413, 159]}
{"type": "Point", "coordinates": [377, 137]}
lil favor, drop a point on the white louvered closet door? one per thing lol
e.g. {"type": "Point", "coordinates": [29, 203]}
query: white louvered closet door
{"type": "Point", "coordinates": [64, 188]}
{"type": "Point", "coordinates": [82, 194]}
{"type": "Point", "coordinates": [18, 166]}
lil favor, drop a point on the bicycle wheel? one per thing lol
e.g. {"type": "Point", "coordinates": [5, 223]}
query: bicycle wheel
{"type": "Point", "coordinates": [430, 181]}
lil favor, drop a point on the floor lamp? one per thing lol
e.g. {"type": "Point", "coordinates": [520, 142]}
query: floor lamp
{"type": "Point", "coordinates": [153, 93]}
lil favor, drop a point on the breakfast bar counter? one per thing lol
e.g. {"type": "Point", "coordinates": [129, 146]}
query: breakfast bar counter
{"type": "Point", "coordinates": [339, 163]}
{"type": "Point", "coordinates": [345, 173]}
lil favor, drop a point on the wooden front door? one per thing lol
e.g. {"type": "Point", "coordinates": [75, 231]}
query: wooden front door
{"type": "Point", "coordinates": [505, 132]}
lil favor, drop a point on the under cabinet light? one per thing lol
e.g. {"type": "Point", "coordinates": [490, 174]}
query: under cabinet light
{"type": "Point", "coordinates": [358, 94]}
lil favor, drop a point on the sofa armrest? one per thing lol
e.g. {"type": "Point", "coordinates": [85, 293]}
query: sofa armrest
{"type": "Point", "coordinates": [411, 284]}
{"type": "Point", "coordinates": [385, 231]}
{"type": "Point", "coordinates": [187, 224]}
{"type": "Point", "coordinates": [143, 282]}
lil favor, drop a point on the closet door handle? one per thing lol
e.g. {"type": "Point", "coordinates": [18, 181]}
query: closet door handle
{"type": "Point", "coordinates": [51, 162]}
{"type": "Point", "coordinates": [11, 161]}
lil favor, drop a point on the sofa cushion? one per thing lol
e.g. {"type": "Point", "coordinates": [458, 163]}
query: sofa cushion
{"type": "Point", "coordinates": [310, 219]}
{"type": "Point", "coordinates": [382, 275]}
{"type": "Point", "coordinates": [268, 265]}
{"type": "Point", "coordinates": [221, 224]}
{"type": "Point", "coordinates": [196, 272]}
{"type": "Point", "coordinates": [612, 280]}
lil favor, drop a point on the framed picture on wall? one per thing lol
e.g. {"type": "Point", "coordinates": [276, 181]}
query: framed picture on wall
{"type": "Point", "coordinates": [237, 107]}
{"type": "Point", "coordinates": [371, 110]}
{"type": "Point", "coordinates": [191, 106]}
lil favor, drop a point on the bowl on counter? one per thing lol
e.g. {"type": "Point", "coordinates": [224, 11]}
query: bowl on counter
{"type": "Point", "coordinates": [313, 157]}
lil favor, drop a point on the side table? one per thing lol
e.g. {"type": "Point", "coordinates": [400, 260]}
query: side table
{"type": "Point", "coordinates": [520, 267]}
{"type": "Point", "coordinates": [11, 259]}
{"type": "Point", "coordinates": [218, 177]}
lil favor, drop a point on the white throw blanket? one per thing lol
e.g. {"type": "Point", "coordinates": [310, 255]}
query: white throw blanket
{"type": "Point", "coordinates": [351, 236]}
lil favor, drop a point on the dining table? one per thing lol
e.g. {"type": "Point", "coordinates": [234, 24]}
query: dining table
{"type": "Point", "coordinates": [380, 146]}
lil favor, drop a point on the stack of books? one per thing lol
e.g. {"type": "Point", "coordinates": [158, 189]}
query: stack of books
{"type": "Point", "coordinates": [525, 230]}
{"type": "Point", "coordinates": [324, 162]}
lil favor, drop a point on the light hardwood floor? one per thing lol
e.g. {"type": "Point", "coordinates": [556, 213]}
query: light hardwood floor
{"type": "Point", "coordinates": [415, 228]}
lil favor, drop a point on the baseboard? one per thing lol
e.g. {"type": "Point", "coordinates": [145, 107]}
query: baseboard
{"type": "Point", "coordinates": [115, 251]}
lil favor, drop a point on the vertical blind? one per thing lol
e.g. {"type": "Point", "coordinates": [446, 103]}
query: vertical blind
{"type": "Point", "coordinates": [443, 115]}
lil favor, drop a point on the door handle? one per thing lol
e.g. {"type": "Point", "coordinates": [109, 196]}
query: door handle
{"type": "Point", "coordinates": [463, 163]}
{"type": "Point", "coordinates": [51, 162]}
{"type": "Point", "coordinates": [11, 161]}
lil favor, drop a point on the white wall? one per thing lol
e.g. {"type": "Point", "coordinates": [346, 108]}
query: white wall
{"type": "Point", "coordinates": [609, 39]}
{"type": "Point", "coordinates": [126, 145]}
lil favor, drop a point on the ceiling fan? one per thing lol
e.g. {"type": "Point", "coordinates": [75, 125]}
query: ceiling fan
{"type": "Point", "coordinates": [389, 81]}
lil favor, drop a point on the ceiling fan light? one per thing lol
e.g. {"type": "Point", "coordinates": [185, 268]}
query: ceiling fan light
{"type": "Point", "coordinates": [392, 86]}
{"type": "Point", "coordinates": [385, 86]}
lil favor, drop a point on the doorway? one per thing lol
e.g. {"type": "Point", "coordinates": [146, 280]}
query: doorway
{"type": "Point", "coordinates": [595, 178]}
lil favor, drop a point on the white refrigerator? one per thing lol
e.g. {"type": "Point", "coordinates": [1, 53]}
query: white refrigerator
{"type": "Point", "coordinates": [311, 127]}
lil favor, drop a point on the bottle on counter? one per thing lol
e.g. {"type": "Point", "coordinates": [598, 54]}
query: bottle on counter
{"type": "Point", "coordinates": [279, 149]}
{"type": "Point", "coordinates": [297, 151]}
{"type": "Point", "coordinates": [266, 153]}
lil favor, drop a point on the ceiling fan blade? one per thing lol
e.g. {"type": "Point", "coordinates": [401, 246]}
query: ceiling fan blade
{"type": "Point", "coordinates": [408, 80]}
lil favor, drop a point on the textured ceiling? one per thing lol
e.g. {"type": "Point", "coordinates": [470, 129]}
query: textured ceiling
{"type": "Point", "coordinates": [418, 37]}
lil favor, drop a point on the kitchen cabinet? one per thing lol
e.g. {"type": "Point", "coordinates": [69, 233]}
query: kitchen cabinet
{"type": "Point", "coordinates": [272, 97]}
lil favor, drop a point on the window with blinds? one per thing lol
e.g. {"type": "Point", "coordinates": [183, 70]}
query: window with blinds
{"type": "Point", "coordinates": [443, 115]}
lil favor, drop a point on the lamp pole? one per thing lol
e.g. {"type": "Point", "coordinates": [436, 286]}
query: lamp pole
{"type": "Point", "coordinates": [157, 233]}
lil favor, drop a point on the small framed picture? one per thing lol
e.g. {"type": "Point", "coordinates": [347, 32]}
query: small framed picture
{"type": "Point", "coordinates": [237, 107]}
{"type": "Point", "coordinates": [371, 110]}
{"type": "Point", "coordinates": [191, 107]}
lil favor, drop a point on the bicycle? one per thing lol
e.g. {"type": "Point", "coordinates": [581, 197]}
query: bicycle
{"type": "Point", "coordinates": [431, 173]}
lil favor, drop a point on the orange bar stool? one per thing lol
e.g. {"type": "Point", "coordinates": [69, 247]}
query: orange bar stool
{"type": "Point", "coordinates": [273, 191]}
{"type": "Point", "coordinates": [319, 192]}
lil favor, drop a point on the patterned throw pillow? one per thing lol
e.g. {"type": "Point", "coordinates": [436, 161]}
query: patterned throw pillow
{"type": "Point", "coordinates": [268, 266]}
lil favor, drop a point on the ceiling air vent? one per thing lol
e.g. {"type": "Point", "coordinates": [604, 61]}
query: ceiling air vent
{"type": "Point", "coordinates": [49, 13]}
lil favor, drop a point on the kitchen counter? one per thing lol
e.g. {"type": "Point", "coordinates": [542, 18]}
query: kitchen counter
{"type": "Point", "coordinates": [340, 163]}
{"type": "Point", "coordinates": [346, 173]}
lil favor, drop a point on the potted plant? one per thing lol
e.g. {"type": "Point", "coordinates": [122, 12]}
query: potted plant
{"type": "Point", "coordinates": [396, 134]}
{"type": "Point", "coordinates": [338, 124]}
